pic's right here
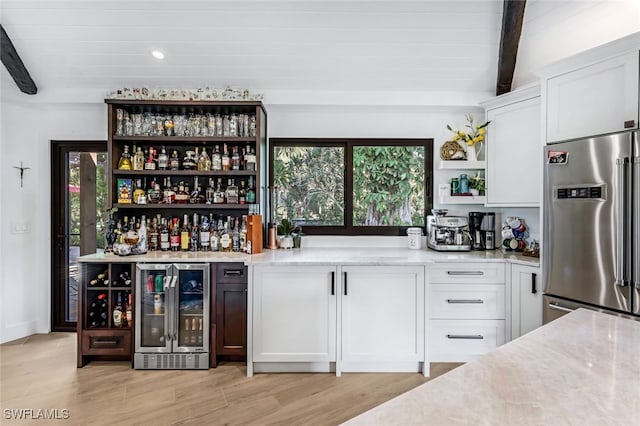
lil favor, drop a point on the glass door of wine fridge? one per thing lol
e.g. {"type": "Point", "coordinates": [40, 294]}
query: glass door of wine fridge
{"type": "Point", "coordinates": [153, 308]}
{"type": "Point", "coordinates": [192, 302]}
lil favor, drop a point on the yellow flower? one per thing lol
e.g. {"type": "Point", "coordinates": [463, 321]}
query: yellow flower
{"type": "Point", "coordinates": [474, 136]}
{"type": "Point", "coordinates": [482, 131]}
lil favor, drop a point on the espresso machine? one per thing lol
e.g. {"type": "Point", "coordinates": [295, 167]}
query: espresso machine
{"type": "Point", "coordinates": [448, 233]}
{"type": "Point", "coordinates": [482, 227]}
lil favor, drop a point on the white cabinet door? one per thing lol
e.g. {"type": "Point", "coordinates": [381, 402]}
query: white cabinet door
{"type": "Point", "coordinates": [593, 100]}
{"type": "Point", "coordinates": [294, 313]}
{"type": "Point", "coordinates": [382, 314]}
{"type": "Point", "coordinates": [526, 299]}
{"type": "Point", "coordinates": [514, 152]}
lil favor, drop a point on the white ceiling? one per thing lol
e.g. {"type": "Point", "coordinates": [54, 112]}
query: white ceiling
{"type": "Point", "coordinates": [266, 45]}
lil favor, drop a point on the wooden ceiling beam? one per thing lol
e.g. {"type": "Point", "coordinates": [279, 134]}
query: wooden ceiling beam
{"type": "Point", "coordinates": [14, 65]}
{"type": "Point", "coordinates": [512, 16]}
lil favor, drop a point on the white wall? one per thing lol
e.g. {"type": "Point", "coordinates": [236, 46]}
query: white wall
{"type": "Point", "coordinates": [553, 30]}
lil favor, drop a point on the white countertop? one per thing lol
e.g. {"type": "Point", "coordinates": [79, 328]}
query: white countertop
{"type": "Point", "coordinates": [581, 369]}
{"type": "Point", "coordinates": [317, 256]}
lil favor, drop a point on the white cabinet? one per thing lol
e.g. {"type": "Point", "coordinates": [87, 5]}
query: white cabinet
{"type": "Point", "coordinates": [294, 313]}
{"type": "Point", "coordinates": [526, 299]}
{"type": "Point", "coordinates": [382, 317]}
{"type": "Point", "coordinates": [514, 149]}
{"type": "Point", "coordinates": [467, 310]}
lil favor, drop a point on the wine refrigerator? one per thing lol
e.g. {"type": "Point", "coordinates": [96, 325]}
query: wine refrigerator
{"type": "Point", "coordinates": [172, 316]}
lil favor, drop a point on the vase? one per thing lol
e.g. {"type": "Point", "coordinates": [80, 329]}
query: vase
{"type": "Point", "coordinates": [471, 153]}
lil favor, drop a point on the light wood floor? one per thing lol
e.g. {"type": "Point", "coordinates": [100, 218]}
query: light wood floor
{"type": "Point", "coordinates": [39, 372]}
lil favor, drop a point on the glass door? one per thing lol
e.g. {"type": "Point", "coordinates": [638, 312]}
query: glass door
{"type": "Point", "coordinates": [153, 307]}
{"type": "Point", "coordinates": [78, 196]}
{"type": "Point", "coordinates": [192, 301]}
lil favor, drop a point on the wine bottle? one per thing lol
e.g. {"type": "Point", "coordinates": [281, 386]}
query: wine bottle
{"type": "Point", "coordinates": [118, 312]}
{"type": "Point", "coordinates": [129, 311]}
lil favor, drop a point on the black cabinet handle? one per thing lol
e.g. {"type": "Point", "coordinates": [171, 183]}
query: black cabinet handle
{"type": "Point", "coordinates": [228, 272]}
{"type": "Point", "coordinates": [534, 288]}
{"type": "Point", "coordinates": [333, 283]}
{"type": "Point", "coordinates": [345, 283]}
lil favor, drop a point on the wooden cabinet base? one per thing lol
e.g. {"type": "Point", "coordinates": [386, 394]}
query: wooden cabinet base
{"type": "Point", "coordinates": [105, 344]}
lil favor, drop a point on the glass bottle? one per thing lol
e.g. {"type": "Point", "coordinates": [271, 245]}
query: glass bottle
{"type": "Point", "coordinates": [235, 159]}
{"type": "Point", "coordinates": [204, 162]}
{"type": "Point", "coordinates": [250, 159]}
{"type": "Point", "coordinates": [182, 196]}
{"type": "Point", "coordinates": [235, 237]}
{"type": "Point", "coordinates": [242, 193]}
{"type": "Point", "coordinates": [251, 192]}
{"type": "Point", "coordinates": [243, 234]}
{"type": "Point", "coordinates": [174, 161]}
{"type": "Point", "coordinates": [209, 192]}
{"type": "Point", "coordinates": [185, 234]}
{"type": "Point", "coordinates": [215, 239]}
{"type": "Point", "coordinates": [174, 236]}
{"type": "Point", "coordinates": [142, 245]}
{"type": "Point", "coordinates": [218, 195]}
{"type": "Point", "coordinates": [169, 195]}
{"type": "Point", "coordinates": [216, 159]}
{"type": "Point", "coordinates": [204, 233]}
{"type": "Point", "coordinates": [139, 194]}
{"type": "Point", "coordinates": [125, 159]}
{"type": "Point", "coordinates": [138, 159]}
{"type": "Point", "coordinates": [225, 238]}
{"type": "Point", "coordinates": [152, 230]}
{"type": "Point", "coordinates": [194, 238]}
{"type": "Point", "coordinates": [150, 163]}
{"type": "Point", "coordinates": [231, 193]}
{"type": "Point", "coordinates": [118, 312]}
{"type": "Point", "coordinates": [163, 160]}
{"type": "Point", "coordinates": [226, 160]}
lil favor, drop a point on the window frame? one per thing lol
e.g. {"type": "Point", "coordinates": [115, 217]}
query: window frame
{"type": "Point", "coordinates": [348, 144]}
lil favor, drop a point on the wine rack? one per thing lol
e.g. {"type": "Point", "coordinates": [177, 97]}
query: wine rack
{"type": "Point", "coordinates": [101, 286]}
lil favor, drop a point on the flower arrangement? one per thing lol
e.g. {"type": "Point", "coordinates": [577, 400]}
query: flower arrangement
{"type": "Point", "coordinates": [476, 134]}
{"type": "Point", "coordinates": [477, 182]}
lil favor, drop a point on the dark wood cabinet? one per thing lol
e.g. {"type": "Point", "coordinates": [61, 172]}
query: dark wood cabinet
{"type": "Point", "coordinates": [229, 316]}
{"type": "Point", "coordinates": [101, 285]}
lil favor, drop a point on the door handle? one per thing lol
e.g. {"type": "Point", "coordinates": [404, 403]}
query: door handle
{"type": "Point", "coordinates": [557, 307]}
{"type": "Point", "coordinates": [622, 249]}
{"type": "Point", "coordinates": [333, 283]}
{"type": "Point", "coordinates": [636, 224]}
{"type": "Point", "coordinates": [345, 283]}
{"type": "Point", "coordinates": [534, 288]}
{"type": "Point", "coordinates": [229, 272]}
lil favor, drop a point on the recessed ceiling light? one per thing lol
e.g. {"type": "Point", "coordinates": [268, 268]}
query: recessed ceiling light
{"type": "Point", "coordinates": [157, 54]}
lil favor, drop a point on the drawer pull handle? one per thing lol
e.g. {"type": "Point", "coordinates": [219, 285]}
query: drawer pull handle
{"type": "Point", "coordinates": [465, 273]}
{"type": "Point", "coordinates": [104, 343]}
{"type": "Point", "coordinates": [465, 301]}
{"type": "Point", "coordinates": [465, 336]}
{"type": "Point", "coordinates": [229, 272]}
{"type": "Point", "coordinates": [333, 283]}
{"type": "Point", "coordinates": [534, 288]}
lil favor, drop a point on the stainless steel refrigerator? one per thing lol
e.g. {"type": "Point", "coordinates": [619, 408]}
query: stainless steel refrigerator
{"type": "Point", "coordinates": [172, 316]}
{"type": "Point", "coordinates": [591, 222]}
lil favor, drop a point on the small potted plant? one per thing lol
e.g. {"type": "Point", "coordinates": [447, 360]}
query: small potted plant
{"type": "Point", "coordinates": [477, 184]}
{"type": "Point", "coordinates": [285, 229]}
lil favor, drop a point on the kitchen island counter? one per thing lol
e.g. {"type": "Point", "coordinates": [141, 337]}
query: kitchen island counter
{"type": "Point", "coordinates": [581, 369]}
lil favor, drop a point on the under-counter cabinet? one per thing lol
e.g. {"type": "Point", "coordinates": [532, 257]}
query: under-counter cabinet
{"type": "Point", "coordinates": [467, 310]}
{"type": "Point", "coordinates": [526, 299]}
{"type": "Point", "coordinates": [382, 318]}
{"type": "Point", "coordinates": [593, 99]}
{"type": "Point", "coordinates": [294, 314]}
{"type": "Point", "coordinates": [513, 137]}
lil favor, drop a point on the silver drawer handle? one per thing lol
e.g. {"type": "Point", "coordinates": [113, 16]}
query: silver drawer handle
{"type": "Point", "coordinates": [465, 301]}
{"type": "Point", "coordinates": [465, 273]}
{"type": "Point", "coordinates": [465, 336]}
{"type": "Point", "coordinates": [560, 308]}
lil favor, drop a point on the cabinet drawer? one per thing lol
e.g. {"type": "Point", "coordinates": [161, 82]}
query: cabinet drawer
{"type": "Point", "coordinates": [463, 340]}
{"type": "Point", "coordinates": [467, 273]}
{"type": "Point", "coordinates": [106, 342]}
{"type": "Point", "coordinates": [231, 273]}
{"type": "Point", "coordinates": [467, 301]}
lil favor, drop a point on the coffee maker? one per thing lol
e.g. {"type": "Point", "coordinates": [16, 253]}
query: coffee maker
{"type": "Point", "coordinates": [482, 227]}
{"type": "Point", "coordinates": [447, 233]}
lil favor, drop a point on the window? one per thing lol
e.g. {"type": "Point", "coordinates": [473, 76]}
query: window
{"type": "Point", "coordinates": [352, 186]}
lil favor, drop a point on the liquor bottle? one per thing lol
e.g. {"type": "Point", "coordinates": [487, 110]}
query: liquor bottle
{"type": "Point", "coordinates": [218, 194]}
{"type": "Point", "coordinates": [226, 160]}
{"type": "Point", "coordinates": [250, 159]}
{"type": "Point", "coordinates": [194, 236]}
{"type": "Point", "coordinates": [204, 233]}
{"type": "Point", "coordinates": [150, 163]}
{"type": "Point", "coordinates": [243, 234]}
{"type": "Point", "coordinates": [163, 160]}
{"type": "Point", "coordinates": [118, 312]}
{"type": "Point", "coordinates": [174, 161]}
{"type": "Point", "coordinates": [235, 159]}
{"type": "Point", "coordinates": [231, 193]}
{"type": "Point", "coordinates": [154, 242]}
{"type": "Point", "coordinates": [139, 194]}
{"type": "Point", "coordinates": [174, 236]}
{"type": "Point", "coordinates": [216, 159]}
{"type": "Point", "coordinates": [129, 311]}
{"type": "Point", "coordinates": [209, 192]}
{"type": "Point", "coordinates": [185, 236]}
{"type": "Point", "coordinates": [242, 193]}
{"type": "Point", "coordinates": [182, 196]}
{"type": "Point", "coordinates": [165, 245]}
{"type": "Point", "coordinates": [251, 192]}
{"type": "Point", "coordinates": [142, 245]}
{"type": "Point", "coordinates": [204, 162]}
{"type": "Point", "coordinates": [215, 239]}
{"type": "Point", "coordinates": [125, 160]}
{"type": "Point", "coordinates": [235, 237]}
{"type": "Point", "coordinates": [225, 238]}
{"type": "Point", "coordinates": [200, 332]}
{"type": "Point", "coordinates": [252, 126]}
{"type": "Point", "coordinates": [138, 159]}
{"type": "Point", "coordinates": [168, 193]}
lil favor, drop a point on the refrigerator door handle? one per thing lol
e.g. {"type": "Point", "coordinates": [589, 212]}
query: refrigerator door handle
{"type": "Point", "coordinates": [636, 222]}
{"type": "Point", "coordinates": [621, 222]}
{"type": "Point", "coordinates": [557, 307]}
{"type": "Point", "coordinates": [174, 307]}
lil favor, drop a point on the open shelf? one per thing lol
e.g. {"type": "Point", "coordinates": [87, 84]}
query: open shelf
{"type": "Point", "coordinates": [462, 199]}
{"type": "Point", "coordinates": [461, 165]}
